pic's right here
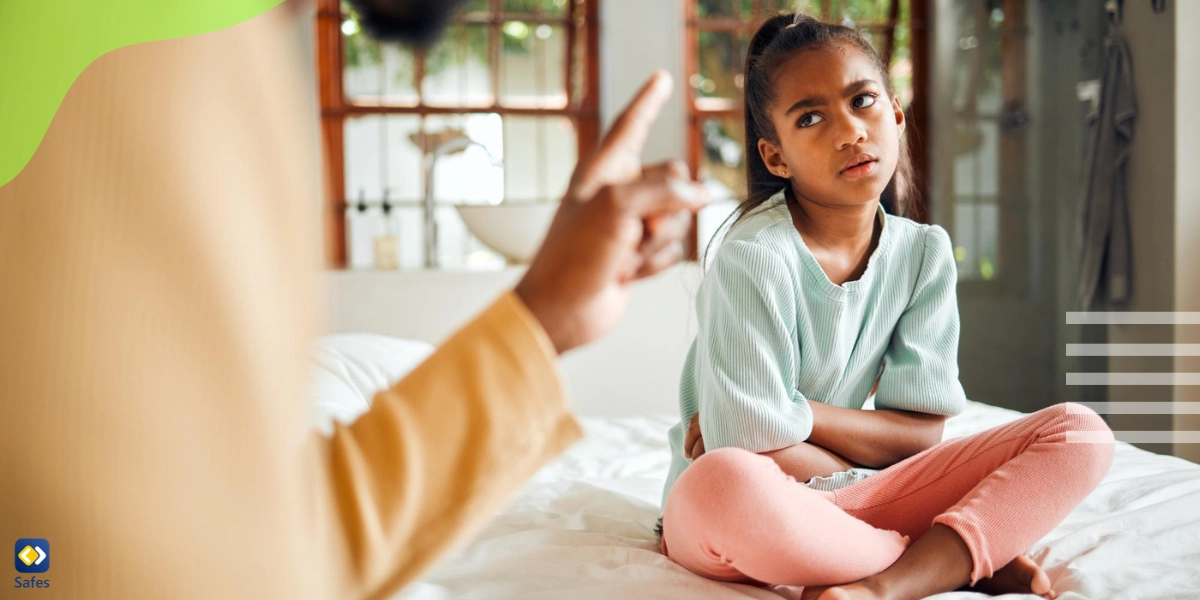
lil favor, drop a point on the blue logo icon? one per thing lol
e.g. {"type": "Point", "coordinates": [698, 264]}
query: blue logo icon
{"type": "Point", "coordinates": [32, 555]}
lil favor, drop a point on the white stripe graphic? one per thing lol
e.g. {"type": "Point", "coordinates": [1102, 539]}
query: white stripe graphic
{"type": "Point", "coordinates": [1135, 437]}
{"type": "Point", "coordinates": [1144, 408]}
{"type": "Point", "coordinates": [1133, 318]}
{"type": "Point", "coordinates": [1133, 378]}
{"type": "Point", "coordinates": [1133, 349]}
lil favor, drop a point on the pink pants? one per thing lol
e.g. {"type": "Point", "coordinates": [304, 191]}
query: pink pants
{"type": "Point", "coordinates": [735, 516]}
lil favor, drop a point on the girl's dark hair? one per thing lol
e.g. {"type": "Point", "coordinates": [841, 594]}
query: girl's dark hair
{"type": "Point", "coordinates": [772, 45]}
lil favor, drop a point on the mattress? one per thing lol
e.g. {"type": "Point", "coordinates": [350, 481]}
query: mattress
{"type": "Point", "coordinates": [583, 529]}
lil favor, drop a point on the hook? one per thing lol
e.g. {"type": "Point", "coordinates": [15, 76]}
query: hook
{"type": "Point", "coordinates": [362, 201]}
{"type": "Point", "coordinates": [1158, 6]}
{"type": "Point", "coordinates": [1115, 10]}
{"type": "Point", "coordinates": [387, 207]}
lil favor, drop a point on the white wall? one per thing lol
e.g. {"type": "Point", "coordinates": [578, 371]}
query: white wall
{"type": "Point", "coordinates": [634, 370]}
{"type": "Point", "coordinates": [637, 37]}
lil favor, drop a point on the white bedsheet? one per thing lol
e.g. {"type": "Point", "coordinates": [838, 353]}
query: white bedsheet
{"type": "Point", "coordinates": [583, 529]}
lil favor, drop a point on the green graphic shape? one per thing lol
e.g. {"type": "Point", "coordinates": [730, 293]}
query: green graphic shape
{"type": "Point", "coordinates": [46, 44]}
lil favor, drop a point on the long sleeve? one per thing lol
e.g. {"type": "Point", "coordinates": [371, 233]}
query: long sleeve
{"type": "Point", "coordinates": [921, 361]}
{"type": "Point", "coordinates": [444, 448]}
{"type": "Point", "coordinates": [746, 354]}
{"type": "Point", "coordinates": [158, 257]}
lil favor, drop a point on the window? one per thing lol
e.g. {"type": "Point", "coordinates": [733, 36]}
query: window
{"type": "Point", "coordinates": [981, 144]}
{"type": "Point", "coordinates": [718, 33]}
{"type": "Point", "coordinates": [517, 78]}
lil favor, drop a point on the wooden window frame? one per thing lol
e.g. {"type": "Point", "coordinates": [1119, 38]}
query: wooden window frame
{"type": "Point", "coordinates": [582, 80]}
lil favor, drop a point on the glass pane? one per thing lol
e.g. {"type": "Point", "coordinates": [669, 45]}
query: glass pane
{"type": "Point", "coordinates": [549, 8]}
{"type": "Point", "coordinates": [362, 74]}
{"type": "Point", "coordinates": [864, 11]}
{"type": "Point", "coordinates": [902, 67]}
{"type": "Point", "coordinates": [965, 240]}
{"type": "Point", "coordinates": [812, 7]}
{"type": "Point", "coordinates": [411, 231]}
{"type": "Point", "coordinates": [989, 226]}
{"type": "Point", "coordinates": [534, 66]}
{"type": "Point", "coordinates": [380, 156]}
{"type": "Point", "coordinates": [977, 160]}
{"type": "Point", "coordinates": [875, 38]}
{"type": "Point", "coordinates": [978, 64]}
{"type": "Point", "coordinates": [976, 226]}
{"type": "Point", "coordinates": [402, 157]}
{"type": "Point", "coordinates": [363, 138]}
{"type": "Point", "coordinates": [722, 162]}
{"type": "Point", "coordinates": [456, 69]}
{"type": "Point", "coordinates": [539, 155]}
{"type": "Point", "coordinates": [478, 5]}
{"type": "Point", "coordinates": [725, 8]}
{"type": "Point", "coordinates": [470, 175]}
{"type": "Point", "coordinates": [398, 76]}
{"type": "Point", "coordinates": [362, 227]}
{"type": "Point", "coordinates": [721, 55]}
{"type": "Point", "coordinates": [474, 174]}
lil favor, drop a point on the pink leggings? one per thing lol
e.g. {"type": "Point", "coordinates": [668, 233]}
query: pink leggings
{"type": "Point", "coordinates": [735, 516]}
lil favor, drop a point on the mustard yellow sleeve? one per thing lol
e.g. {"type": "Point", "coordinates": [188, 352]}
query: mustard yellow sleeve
{"type": "Point", "coordinates": [441, 450]}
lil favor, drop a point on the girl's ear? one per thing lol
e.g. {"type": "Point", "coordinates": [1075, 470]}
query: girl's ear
{"type": "Point", "coordinates": [900, 122]}
{"type": "Point", "coordinates": [772, 157]}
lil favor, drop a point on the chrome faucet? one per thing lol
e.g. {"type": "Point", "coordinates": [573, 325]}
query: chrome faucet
{"type": "Point", "coordinates": [454, 145]}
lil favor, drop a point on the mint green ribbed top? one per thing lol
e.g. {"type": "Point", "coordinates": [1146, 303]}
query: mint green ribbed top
{"type": "Point", "coordinates": [775, 334]}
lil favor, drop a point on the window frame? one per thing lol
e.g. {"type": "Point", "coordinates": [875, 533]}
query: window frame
{"type": "Point", "coordinates": [1013, 176]}
{"type": "Point", "coordinates": [582, 80]}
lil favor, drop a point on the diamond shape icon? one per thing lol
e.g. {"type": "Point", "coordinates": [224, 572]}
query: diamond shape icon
{"type": "Point", "coordinates": [27, 555]}
{"type": "Point", "coordinates": [32, 555]}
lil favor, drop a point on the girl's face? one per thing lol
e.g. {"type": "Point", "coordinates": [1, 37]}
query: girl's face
{"type": "Point", "coordinates": [839, 133]}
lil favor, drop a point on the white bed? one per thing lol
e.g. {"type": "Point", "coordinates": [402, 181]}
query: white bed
{"type": "Point", "coordinates": [582, 529]}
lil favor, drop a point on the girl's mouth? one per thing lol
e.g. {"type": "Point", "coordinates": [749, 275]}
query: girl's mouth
{"type": "Point", "coordinates": [861, 169]}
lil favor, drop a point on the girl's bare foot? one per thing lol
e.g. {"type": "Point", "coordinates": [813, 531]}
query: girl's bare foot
{"type": "Point", "coordinates": [860, 590]}
{"type": "Point", "coordinates": [1019, 576]}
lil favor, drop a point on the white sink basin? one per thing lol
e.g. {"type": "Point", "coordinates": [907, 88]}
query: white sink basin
{"type": "Point", "coordinates": [513, 230]}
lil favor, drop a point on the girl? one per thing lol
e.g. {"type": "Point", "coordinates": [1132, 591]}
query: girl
{"type": "Point", "coordinates": [816, 299]}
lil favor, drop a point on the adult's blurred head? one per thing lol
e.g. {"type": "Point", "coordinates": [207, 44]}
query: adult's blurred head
{"type": "Point", "coordinates": [414, 22]}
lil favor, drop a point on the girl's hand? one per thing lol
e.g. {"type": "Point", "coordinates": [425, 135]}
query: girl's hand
{"type": "Point", "coordinates": [693, 442]}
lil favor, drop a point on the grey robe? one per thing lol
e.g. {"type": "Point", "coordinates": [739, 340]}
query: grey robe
{"type": "Point", "coordinates": [1106, 276]}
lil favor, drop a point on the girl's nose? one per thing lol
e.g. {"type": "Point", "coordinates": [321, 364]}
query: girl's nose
{"type": "Point", "coordinates": [851, 133]}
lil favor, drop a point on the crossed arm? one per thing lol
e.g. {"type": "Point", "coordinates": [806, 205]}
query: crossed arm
{"type": "Point", "coordinates": [747, 362]}
{"type": "Point", "coordinates": [845, 438]}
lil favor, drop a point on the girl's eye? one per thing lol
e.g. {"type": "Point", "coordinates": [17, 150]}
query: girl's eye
{"type": "Point", "coordinates": [809, 120]}
{"type": "Point", "coordinates": [863, 100]}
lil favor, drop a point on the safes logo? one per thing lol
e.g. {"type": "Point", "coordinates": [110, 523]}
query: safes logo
{"type": "Point", "coordinates": [32, 555]}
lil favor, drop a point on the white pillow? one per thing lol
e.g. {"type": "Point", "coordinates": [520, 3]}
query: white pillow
{"type": "Point", "coordinates": [349, 369]}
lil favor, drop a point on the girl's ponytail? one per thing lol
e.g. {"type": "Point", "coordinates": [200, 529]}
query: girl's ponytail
{"type": "Point", "coordinates": [761, 183]}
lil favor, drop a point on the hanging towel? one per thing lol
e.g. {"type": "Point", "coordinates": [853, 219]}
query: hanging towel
{"type": "Point", "coordinates": [1106, 273]}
